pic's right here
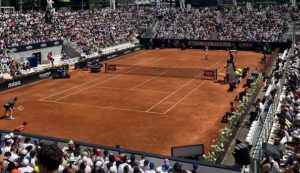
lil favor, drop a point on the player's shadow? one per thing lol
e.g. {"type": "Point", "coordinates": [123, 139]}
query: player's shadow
{"type": "Point", "coordinates": [222, 82]}
{"type": "Point", "coordinates": [3, 117]}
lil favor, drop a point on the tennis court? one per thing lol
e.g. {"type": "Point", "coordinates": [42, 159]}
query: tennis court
{"type": "Point", "coordinates": [139, 109]}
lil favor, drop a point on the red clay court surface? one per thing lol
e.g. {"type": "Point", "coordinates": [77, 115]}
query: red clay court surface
{"type": "Point", "coordinates": [140, 112]}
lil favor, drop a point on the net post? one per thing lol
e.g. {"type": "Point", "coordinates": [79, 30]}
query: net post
{"type": "Point", "coordinates": [216, 74]}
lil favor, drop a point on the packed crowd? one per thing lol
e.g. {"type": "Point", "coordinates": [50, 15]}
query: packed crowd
{"type": "Point", "coordinates": [89, 29]}
{"type": "Point", "coordinates": [181, 24]}
{"type": "Point", "coordinates": [266, 23]}
{"type": "Point", "coordinates": [295, 16]}
{"type": "Point", "coordinates": [285, 135]}
{"type": "Point", "coordinates": [20, 154]}
{"type": "Point", "coordinates": [8, 65]}
{"type": "Point", "coordinates": [93, 29]}
{"type": "Point", "coordinates": [5, 61]}
{"type": "Point", "coordinates": [261, 24]}
{"type": "Point", "coordinates": [103, 28]}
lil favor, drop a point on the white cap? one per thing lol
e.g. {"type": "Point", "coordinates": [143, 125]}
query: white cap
{"type": "Point", "coordinates": [25, 162]}
{"type": "Point", "coordinates": [113, 169]}
{"type": "Point", "coordinates": [159, 169]}
{"type": "Point", "coordinates": [71, 142]}
{"type": "Point", "coordinates": [11, 135]}
{"type": "Point", "coordinates": [85, 159]}
{"type": "Point", "coordinates": [72, 159]}
{"type": "Point", "coordinates": [84, 153]}
{"type": "Point", "coordinates": [7, 137]}
{"type": "Point", "coordinates": [98, 163]}
{"type": "Point", "coordinates": [24, 152]}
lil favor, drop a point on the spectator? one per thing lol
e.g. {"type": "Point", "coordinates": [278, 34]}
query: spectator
{"type": "Point", "coordinates": [41, 157]}
{"type": "Point", "coordinates": [50, 58]}
{"type": "Point", "coordinates": [25, 167]}
{"type": "Point", "coordinates": [226, 24]}
{"type": "Point", "coordinates": [49, 158]}
{"type": "Point", "coordinates": [195, 167]}
{"type": "Point", "coordinates": [151, 168]}
{"type": "Point", "coordinates": [21, 127]}
{"type": "Point", "coordinates": [70, 150]}
{"type": "Point", "coordinates": [123, 164]}
{"type": "Point", "coordinates": [272, 166]}
{"type": "Point", "coordinates": [229, 113]}
{"type": "Point", "coordinates": [285, 133]}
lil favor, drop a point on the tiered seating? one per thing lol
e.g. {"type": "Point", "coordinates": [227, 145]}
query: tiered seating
{"type": "Point", "coordinates": [25, 154]}
{"type": "Point", "coordinates": [266, 23]}
{"type": "Point", "coordinates": [285, 122]}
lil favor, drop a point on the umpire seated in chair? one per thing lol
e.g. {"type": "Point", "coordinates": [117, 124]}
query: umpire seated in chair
{"type": "Point", "coordinates": [233, 83]}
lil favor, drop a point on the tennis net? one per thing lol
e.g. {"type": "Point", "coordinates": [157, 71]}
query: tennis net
{"type": "Point", "coordinates": [192, 73]}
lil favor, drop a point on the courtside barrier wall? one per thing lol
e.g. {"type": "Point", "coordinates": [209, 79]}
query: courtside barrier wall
{"type": "Point", "coordinates": [21, 57]}
{"type": "Point", "coordinates": [35, 46]}
{"type": "Point", "coordinates": [157, 159]}
{"type": "Point", "coordinates": [40, 50]}
{"type": "Point", "coordinates": [215, 44]}
{"type": "Point", "coordinates": [28, 78]}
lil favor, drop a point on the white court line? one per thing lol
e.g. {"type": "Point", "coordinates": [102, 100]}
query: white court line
{"type": "Point", "coordinates": [85, 82]}
{"type": "Point", "coordinates": [101, 82]}
{"type": "Point", "coordinates": [72, 88]}
{"type": "Point", "coordinates": [182, 86]}
{"type": "Point", "coordinates": [103, 107]}
{"type": "Point", "coordinates": [188, 94]}
{"type": "Point", "coordinates": [149, 91]}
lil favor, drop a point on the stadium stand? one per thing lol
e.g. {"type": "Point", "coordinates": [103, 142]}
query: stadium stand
{"type": "Point", "coordinates": [105, 30]}
{"type": "Point", "coordinates": [271, 86]}
{"type": "Point", "coordinates": [105, 27]}
{"type": "Point", "coordinates": [285, 128]}
{"type": "Point", "coordinates": [87, 29]}
{"type": "Point", "coordinates": [227, 24]}
{"type": "Point", "coordinates": [20, 152]}
{"type": "Point", "coordinates": [276, 148]}
{"type": "Point", "coordinates": [93, 33]}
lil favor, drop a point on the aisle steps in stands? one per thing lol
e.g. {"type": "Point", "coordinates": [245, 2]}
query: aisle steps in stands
{"type": "Point", "coordinates": [72, 50]}
{"type": "Point", "coordinates": [112, 49]}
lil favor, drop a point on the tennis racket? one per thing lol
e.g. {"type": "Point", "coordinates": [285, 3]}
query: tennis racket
{"type": "Point", "coordinates": [20, 108]}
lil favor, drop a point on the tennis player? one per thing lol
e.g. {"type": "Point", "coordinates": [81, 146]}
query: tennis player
{"type": "Point", "coordinates": [206, 52]}
{"type": "Point", "coordinates": [9, 107]}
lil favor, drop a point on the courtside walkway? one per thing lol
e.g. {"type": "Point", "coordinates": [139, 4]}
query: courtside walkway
{"type": "Point", "coordinates": [244, 127]}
